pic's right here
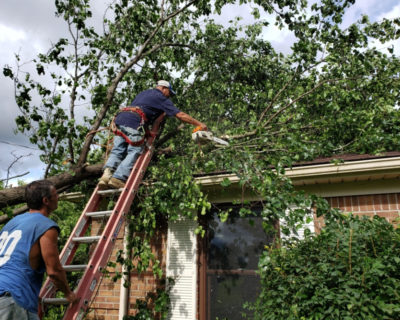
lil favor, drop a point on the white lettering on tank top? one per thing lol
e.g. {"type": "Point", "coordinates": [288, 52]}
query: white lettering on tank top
{"type": "Point", "coordinates": [8, 242]}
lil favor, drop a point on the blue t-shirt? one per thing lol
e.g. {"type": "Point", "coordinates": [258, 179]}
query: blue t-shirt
{"type": "Point", "coordinates": [153, 103]}
{"type": "Point", "coordinates": [16, 273]}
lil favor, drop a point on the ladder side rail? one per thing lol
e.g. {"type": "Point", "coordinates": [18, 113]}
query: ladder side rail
{"type": "Point", "coordinates": [104, 247]}
{"type": "Point", "coordinates": [48, 289]}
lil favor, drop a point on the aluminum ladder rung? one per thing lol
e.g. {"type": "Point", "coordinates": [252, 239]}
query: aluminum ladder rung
{"type": "Point", "coordinates": [110, 192]}
{"type": "Point", "coordinates": [86, 239]}
{"type": "Point", "coordinates": [56, 301]}
{"type": "Point", "coordinates": [98, 214]}
{"type": "Point", "coordinates": [75, 267]}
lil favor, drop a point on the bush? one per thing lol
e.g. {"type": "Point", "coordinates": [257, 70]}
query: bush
{"type": "Point", "coordinates": [349, 271]}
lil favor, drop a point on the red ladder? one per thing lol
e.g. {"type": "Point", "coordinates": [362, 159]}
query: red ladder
{"type": "Point", "coordinates": [105, 243]}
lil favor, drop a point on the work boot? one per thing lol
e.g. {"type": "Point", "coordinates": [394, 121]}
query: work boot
{"type": "Point", "coordinates": [105, 179]}
{"type": "Point", "coordinates": [116, 183]}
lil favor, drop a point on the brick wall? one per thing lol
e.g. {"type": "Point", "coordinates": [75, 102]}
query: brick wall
{"type": "Point", "coordinates": [105, 302]}
{"type": "Point", "coordinates": [105, 305]}
{"type": "Point", "coordinates": [383, 205]}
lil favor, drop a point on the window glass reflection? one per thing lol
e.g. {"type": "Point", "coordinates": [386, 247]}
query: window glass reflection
{"type": "Point", "coordinates": [234, 248]}
{"type": "Point", "coordinates": [236, 243]}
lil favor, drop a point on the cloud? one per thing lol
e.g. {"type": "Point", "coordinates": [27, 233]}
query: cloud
{"type": "Point", "coordinates": [391, 14]}
{"type": "Point", "coordinates": [375, 9]}
{"type": "Point", "coordinates": [8, 35]}
{"type": "Point", "coordinates": [281, 40]}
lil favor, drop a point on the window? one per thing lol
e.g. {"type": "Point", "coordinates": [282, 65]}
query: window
{"type": "Point", "coordinates": [228, 259]}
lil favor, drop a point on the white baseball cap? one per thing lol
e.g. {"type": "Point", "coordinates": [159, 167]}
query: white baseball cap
{"type": "Point", "coordinates": [165, 83]}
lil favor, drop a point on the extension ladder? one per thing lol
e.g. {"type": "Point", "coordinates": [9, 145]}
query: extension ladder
{"type": "Point", "coordinates": [92, 271]}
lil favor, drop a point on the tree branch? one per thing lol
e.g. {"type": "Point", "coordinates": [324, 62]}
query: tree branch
{"type": "Point", "coordinates": [300, 97]}
{"type": "Point", "coordinates": [13, 196]}
{"type": "Point", "coordinates": [17, 176]}
{"type": "Point", "coordinates": [114, 83]}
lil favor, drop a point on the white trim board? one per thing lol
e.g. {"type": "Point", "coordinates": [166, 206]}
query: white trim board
{"type": "Point", "coordinates": [182, 267]}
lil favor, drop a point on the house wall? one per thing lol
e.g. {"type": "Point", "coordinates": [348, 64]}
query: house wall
{"type": "Point", "coordinates": [106, 300]}
{"type": "Point", "coordinates": [377, 197]}
{"type": "Point", "coordinates": [385, 205]}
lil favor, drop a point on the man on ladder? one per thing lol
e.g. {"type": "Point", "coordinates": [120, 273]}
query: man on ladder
{"type": "Point", "coordinates": [129, 127]}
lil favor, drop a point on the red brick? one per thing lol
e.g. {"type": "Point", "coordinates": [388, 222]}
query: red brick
{"type": "Point", "coordinates": [378, 200]}
{"type": "Point", "coordinates": [393, 205]}
{"type": "Point", "coordinates": [385, 202]}
{"type": "Point", "coordinates": [390, 216]}
{"type": "Point", "coordinates": [349, 204]}
{"type": "Point", "coordinates": [113, 299]}
{"type": "Point", "coordinates": [354, 204]}
{"type": "Point", "coordinates": [334, 202]}
{"type": "Point", "coordinates": [341, 203]}
{"type": "Point", "coordinates": [112, 311]}
{"type": "Point", "coordinates": [365, 203]}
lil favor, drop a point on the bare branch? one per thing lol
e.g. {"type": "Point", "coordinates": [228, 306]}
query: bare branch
{"type": "Point", "coordinates": [17, 176]}
{"type": "Point", "coordinates": [53, 149]}
{"type": "Point", "coordinates": [169, 135]}
{"type": "Point", "coordinates": [16, 159]}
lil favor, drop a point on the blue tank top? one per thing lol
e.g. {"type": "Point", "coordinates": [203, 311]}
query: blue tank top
{"type": "Point", "coordinates": [16, 274]}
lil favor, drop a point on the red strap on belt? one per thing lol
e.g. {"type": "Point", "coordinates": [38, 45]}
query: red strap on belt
{"type": "Point", "coordinates": [143, 120]}
{"type": "Point", "coordinates": [136, 110]}
{"type": "Point", "coordinates": [123, 135]}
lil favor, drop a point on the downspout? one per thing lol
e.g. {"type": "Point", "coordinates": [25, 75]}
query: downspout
{"type": "Point", "coordinates": [124, 289]}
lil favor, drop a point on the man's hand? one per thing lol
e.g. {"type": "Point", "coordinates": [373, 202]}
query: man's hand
{"type": "Point", "coordinates": [72, 297]}
{"type": "Point", "coordinates": [203, 127]}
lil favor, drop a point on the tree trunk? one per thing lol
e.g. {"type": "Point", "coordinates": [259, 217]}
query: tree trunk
{"type": "Point", "coordinates": [12, 196]}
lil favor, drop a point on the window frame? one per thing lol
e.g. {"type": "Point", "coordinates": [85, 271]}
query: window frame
{"type": "Point", "coordinates": [202, 270]}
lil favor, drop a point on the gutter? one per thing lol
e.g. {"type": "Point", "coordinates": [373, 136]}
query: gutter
{"type": "Point", "coordinates": [383, 168]}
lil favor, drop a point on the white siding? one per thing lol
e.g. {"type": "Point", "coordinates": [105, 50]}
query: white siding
{"type": "Point", "coordinates": [300, 231]}
{"type": "Point", "coordinates": [181, 266]}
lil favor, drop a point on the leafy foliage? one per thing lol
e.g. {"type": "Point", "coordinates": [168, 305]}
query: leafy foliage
{"type": "Point", "coordinates": [155, 305]}
{"type": "Point", "coordinates": [349, 271]}
{"type": "Point", "coordinates": [334, 92]}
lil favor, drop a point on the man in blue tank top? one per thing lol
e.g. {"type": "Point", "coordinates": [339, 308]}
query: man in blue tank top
{"type": "Point", "coordinates": [128, 141]}
{"type": "Point", "coordinates": [28, 247]}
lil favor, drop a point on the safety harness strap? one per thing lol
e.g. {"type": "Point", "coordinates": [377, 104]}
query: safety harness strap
{"type": "Point", "coordinates": [143, 120]}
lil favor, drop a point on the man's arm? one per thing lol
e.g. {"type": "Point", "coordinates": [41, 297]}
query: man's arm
{"type": "Point", "coordinates": [54, 269]}
{"type": "Point", "coordinates": [184, 117]}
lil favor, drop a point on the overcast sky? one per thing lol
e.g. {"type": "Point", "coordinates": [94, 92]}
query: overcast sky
{"type": "Point", "coordinates": [28, 28]}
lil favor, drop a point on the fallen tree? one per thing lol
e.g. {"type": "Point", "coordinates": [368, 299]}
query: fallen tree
{"type": "Point", "coordinates": [333, 93]}
{"type": "Point", "coordinates": [63, 181]}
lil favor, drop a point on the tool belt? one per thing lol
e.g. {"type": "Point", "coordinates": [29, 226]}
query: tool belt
{"type": "Point", "coordinates": [143, 121]}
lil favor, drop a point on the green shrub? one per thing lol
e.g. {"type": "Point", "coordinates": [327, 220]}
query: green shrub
{"type": "Point", "coordinates": [349, 271]}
